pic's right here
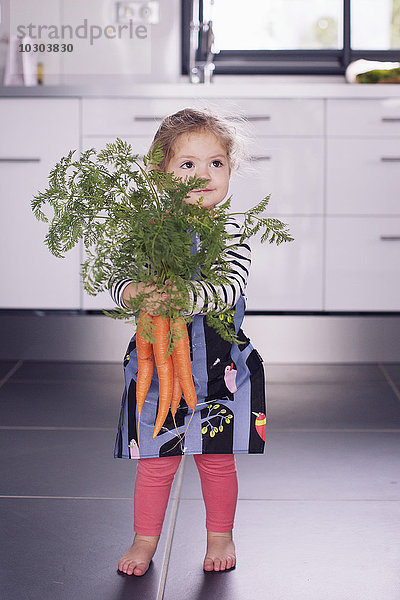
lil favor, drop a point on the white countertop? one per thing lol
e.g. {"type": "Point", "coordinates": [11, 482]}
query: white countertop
{"type": "Point", "coordinates": [231, 89]}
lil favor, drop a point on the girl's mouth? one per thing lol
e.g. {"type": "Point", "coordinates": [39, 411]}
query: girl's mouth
{"type": "Point", "coordinates": [205, 190]}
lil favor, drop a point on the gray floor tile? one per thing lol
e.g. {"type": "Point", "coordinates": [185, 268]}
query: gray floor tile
{"type": "Point", "coordinates": [63, 404]}
{"type": "Point", "coordinates": [324, 373]}
{"type": "Point", "coordinates": [333, 405]}
{"type": "Point", "coordinates": [6, 366]}
{"type": "Point", "coordinates": [331, 465]}
{"type": "Point", "coordinates": [69, 550]}
{"type": "Point", "coordinates": [63, 463]}
{"type": "Point", "coordinates": [292, 551]}
{"type": "Point", "coordinates": [69, 371]}
{"type": "Point", "coordinates": [393, 370]}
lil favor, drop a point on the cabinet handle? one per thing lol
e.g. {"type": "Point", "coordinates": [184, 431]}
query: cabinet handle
{"type": "Point", "coordinates": [19, 160]}
{"type": "Point", "coordinates": [391, 119]}
{"type": "Point", "coordinates": [251, 118]}
{"type": "Point", "coordinates": [147, 118]}
{"type": "Point", "coordinates": [390, 158]}
{"type": "Point", "coordinates": [390, 238]}
{"type": "Point", "coordinates": [259, 157]}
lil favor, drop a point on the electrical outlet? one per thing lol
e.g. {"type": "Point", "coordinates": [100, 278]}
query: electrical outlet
{"type": "Point", "coordinates": [138, 12]}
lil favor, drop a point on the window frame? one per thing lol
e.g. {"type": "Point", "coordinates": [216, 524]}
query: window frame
{"type": "Point", "coordinates": [281, 62]}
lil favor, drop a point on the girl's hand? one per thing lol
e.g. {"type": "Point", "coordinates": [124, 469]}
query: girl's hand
{"type": "Point", "coordinates": [175, 296]}
{"type": "Point", "coordinates": [154, 303]}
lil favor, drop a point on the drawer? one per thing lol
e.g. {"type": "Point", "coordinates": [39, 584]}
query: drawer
{"type": "Point", "coordinates": [362, 264]}
{"type": "Point", "coordinates": [363, 175]}
{"type": "Point", "coordinates": [25, 126]}
{"type": "Point", "coordinates": [124, 117]}
{"type": "Point", "coordinates": [291, 169]}
{"type": "Point", "coordinates": [121, 116]}
{"type": "Point", "coordinates": [276, 117]}
{"type": "Point", "coordinates": [288, 277]}
{"type": "Point", "coordinates": [375, 118]}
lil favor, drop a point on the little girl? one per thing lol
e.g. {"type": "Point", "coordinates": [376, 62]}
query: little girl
{"type": "Point", "coordinates": [229, 378]}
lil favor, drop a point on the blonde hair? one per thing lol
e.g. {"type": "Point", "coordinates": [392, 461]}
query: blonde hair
{"type": "Point", "coordinates": [189, 120]}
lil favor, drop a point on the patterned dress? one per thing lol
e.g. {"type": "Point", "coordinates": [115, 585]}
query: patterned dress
{"type": "Point", "coordinates": [230, 416]}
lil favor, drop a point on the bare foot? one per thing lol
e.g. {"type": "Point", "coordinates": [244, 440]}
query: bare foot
{"type": "Point", "coordinates": [137, 559]}
{"type": "Point", "coordinates": [220, 555]}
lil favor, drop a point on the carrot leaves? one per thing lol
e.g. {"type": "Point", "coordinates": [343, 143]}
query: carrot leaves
{"type": "Point", "coordinates": [134, 223]}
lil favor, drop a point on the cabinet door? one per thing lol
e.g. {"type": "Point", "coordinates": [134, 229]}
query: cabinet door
{"type": "Point", "coordinates": [290, 169]}
{"type": "Point", "coordinates": [35, 133]}
{"type": "Point", "coordinates": [363, 175]}
{"type": "Point", "coordinates": [289, 276]}
{"type": "Point", "coordinates": [363, 117]}
{"type": "Point", "coordinates": [363, 263]}
{"type": "Point", "coordinates": [140, 145]}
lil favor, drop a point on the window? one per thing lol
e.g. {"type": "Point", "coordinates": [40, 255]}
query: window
{"type": "Point", "coordinates": [291, 36]}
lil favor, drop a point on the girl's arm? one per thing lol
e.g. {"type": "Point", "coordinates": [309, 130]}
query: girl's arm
{"type": "Point", "coordinates": [123, 290]}
{"type": "Point", "coordinates": [201, 294]}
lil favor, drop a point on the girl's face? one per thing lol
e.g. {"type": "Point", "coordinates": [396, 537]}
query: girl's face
{"type": "Point", "coordinates": [202, 154]}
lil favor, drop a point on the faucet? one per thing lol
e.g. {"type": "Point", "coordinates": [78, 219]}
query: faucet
{"type": "Point", "coordinates": [201, 54]}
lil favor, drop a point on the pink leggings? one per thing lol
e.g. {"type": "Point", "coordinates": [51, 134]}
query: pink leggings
{"type": "Point", "coordinates": [153, 484]}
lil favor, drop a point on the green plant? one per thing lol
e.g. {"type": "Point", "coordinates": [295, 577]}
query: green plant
{"type": "Point", "coordinates": [135, 223]}
{"type": "Point", "coordinates": [377, 75]}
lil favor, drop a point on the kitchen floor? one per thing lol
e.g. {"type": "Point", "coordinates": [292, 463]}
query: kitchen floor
{"type": "Point", "coordinates": [318, 514]}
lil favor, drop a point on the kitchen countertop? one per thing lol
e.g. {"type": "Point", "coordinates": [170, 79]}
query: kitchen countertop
{"type": "Point", "coordinates": [214, 90]}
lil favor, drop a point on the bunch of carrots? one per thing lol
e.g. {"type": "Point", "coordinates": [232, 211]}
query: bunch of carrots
{"type": "Point", "coordinates": [174, 370]}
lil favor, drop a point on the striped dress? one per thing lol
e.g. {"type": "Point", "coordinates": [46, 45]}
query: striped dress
{"type": "Point", "coordinates": [230, 416]}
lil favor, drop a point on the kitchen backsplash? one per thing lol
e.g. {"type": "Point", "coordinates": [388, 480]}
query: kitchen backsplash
{"type": "Point", "coordinates": [103, 49]}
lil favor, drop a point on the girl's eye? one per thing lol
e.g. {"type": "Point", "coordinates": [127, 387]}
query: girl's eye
{"type": "Point", "coordinates": [217, 161]}
{"type": "Point", "coordinates": [185, 165]}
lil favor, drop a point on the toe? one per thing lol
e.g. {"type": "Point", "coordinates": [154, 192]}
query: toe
{"type": "Point", "coordinates": [208, 564]}
{"type": "Point", "coordinates": [140, 569]}
{"type": "Point", "coordinates": [217, 564]}
{"type": "Point", "coordinates": [129, 568]}
{"type": "Point", "coordinates": [122, 566]}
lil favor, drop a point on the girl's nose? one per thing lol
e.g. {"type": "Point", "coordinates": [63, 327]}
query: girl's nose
{"type": "Point", "coordinates": [204, 172]}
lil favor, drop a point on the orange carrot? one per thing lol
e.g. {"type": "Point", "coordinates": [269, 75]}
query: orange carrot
{"type": "Point", "coordinates": [181, 354]}
{"type": "Point", "coordinates": [145, 362]}
{"type": "Point", "coordinates": [164, 369]}
{"type": "Point", "coordinates": [177, 389]}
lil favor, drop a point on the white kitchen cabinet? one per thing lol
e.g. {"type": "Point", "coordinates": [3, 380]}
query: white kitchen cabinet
{"type": "Point", "coordinates": [363, 117]}
{"type": "Point", "coordinates": [362, 175]}
{"type": "Point", "coordinates": [291, 169]}
{"type": "Point", "coordinates": [35, 133]}
{"type": "Point", "coordinates": [289, 277]}
{"type": "Point", "coordinates": [330, 164]}
{"type": "Point", "coordinates": [362, 205]}
{"type": "Point", "coordinates": [362, 263]}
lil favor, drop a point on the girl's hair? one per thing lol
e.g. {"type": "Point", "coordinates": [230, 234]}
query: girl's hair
{"type": "Point", "coordinates": [189, 120]}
